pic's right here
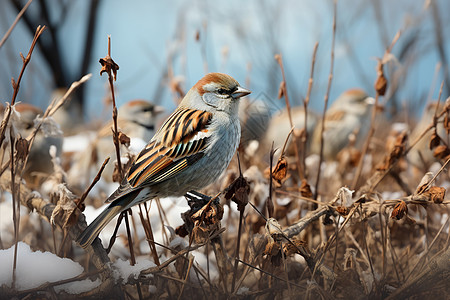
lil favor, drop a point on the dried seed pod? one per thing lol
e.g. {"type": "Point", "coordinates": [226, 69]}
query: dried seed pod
{"type": "Point", "coordinates": [400, 210]}
{"type": "Point", "coordinates": [238, 192]}
{"type": "Point", "coordinates": [422, 186]}
{"type": "Point", "coordinates": [381, 82]}
{"type": "Point", "coordinates": [437, 194]}
{"type": "Point", "coordinates": [446, 123]}
{"type": "Point", "coordinates": [435, 140]}
{"type": "Point", "coordinates": [305, 189]}
{"type": "Point", "coordinates": [342, 210]}
{"type": "Point", "coordinates": [280, 171]}
{"type": "Point", "coordinates": [295, 247]}
{"type": "Point", "coordinates": [124, 139]}
{"type": "Point", "coordinates": [441, 152]}
{"type": "Point", "coordinates": [22, 149]}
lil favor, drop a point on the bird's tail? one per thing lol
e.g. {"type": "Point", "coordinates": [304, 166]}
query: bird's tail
{"type": "Point", "coordinates": [93, 230]}
{"type": "Point", "coordinates": [119, 204]}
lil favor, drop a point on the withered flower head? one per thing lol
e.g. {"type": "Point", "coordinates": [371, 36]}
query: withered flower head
{"type": "Point", "coordinates": [400, 210]}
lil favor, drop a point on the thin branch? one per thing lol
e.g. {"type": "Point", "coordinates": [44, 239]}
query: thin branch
{"type": "Point", "coordinates": [19, 15]}
{"type": "Point", "coordinates": [330, 79]}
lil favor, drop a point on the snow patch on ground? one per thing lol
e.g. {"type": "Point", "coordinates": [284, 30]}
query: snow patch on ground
{"type": "Point", "coordinates": [36, 268]}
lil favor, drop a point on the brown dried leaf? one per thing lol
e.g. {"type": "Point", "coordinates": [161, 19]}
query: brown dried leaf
{"type": "Point", "coordinates": [342, 210]}
{"type": "Point", "coordinates": [437, 194]}
{"type": "Point", "coordinates": [295, 247]}
{"type": "Point", "coordinates": [280, 171]}
{"type": "Point", "coordinates": [381, 81]}
{"type": "Point", "coordinates": [423, 185]}
{"type": "Point", "coordinates": [305, 189]}
{"type": "Point", "coordinates": [400, 210]}
{"type": "Point", "coordinates": [124, 139]}
{"type": "Point", "coordinates": [447, 123]}
{"type": "Point", "coordinates": [441, 152]}
{"type": "Point", "coordinates": [435, 140]}
{"type": "Point", "coordinates": [272, 248]}
{"type": "Point", "coordinates": [238, 192]}
{"type": "Point", "coordinates": [22, 149]}
{"type": "Point", "coordinates": [108, 66]}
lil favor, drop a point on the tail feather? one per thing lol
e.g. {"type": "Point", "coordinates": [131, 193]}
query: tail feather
{"type": "Point", "coordinates": [93, 230]}
{"type": "Point", "coordinates": [117, 206]}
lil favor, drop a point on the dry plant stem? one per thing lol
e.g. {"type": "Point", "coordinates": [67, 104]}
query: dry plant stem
{"type": "Point", "coordinates": [366, 143]}
{"type": "Point", "coordinates": [19, 15]}
{"type": "Point", "coordinates": [435, 272]}
{"type": "Point", "coordinates": [305, 106]}
{"type": "Point", "coordinates": [301, 172]}
{"type": "Point", "coordinates": [149, 234]}
{"type": "Point", "coordinates": [16, 84]}
{"type": "Point", "coordinates": [112, 240]}
{"type": "Point", "coordinates": [372, 120]}
{"type": "Point", "coordinates": [422, 257]}
{"type": "Point", "coordinates": [269, 203]}
{"type": "Point", "coordinates": [191, 260]}
{"type": "Point", "coordinates": [115, 131]}
{"type": "Point", "coordinates": [16, 209]}
{"type": "Point", "coordinates": [130, 246]}
{"type": "Point", "coordinates": [310, 217]}
{"type": "Point", "coordinates": [330, 79]}
{"type": "Point", "coordinates": [236, 254]}
{"type": "Point", "coordinates": [270, 274]}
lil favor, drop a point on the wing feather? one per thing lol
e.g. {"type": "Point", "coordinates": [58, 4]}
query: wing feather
{"type": "Point", "coordinates": [178, 144]}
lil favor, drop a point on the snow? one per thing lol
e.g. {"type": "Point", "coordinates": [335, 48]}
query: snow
{"type": "Point", "coordinates": [79, 142]}
{"type": "Point", "coordinates": [36, 268]}
{"type": "Point", "coordinates": [123, 269]}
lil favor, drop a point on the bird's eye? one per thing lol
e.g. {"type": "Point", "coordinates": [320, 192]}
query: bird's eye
{"type": "Point", "coordinates": [222, 91]}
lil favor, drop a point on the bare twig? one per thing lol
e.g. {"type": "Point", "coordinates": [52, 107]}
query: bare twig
{"type": "Point", "coordinates": [284, 92]}
{"type": "Point", "coordinates": [16, 84]}
{"type": "Point", "coordinates": [330, 79]}
{"type": "Point", "coordinates": [19, 15]}
{"type": "Point", "coordinates": [305, 105]}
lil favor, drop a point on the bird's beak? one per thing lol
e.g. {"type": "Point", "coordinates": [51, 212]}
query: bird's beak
{"type": "Point", "coordinates": [240, 92]}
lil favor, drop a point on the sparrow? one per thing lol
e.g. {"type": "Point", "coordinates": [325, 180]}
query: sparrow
{"type": "Point", "coordinates": [349, 114]}
{"type": "Point", "coordinates": [136, 119]}
{"type": "Point", "coordinates": [280, 126]}
{"type": "Point", "coordinates": [189, 151]}
{"type": "Point", "coordinates": [39, 160]}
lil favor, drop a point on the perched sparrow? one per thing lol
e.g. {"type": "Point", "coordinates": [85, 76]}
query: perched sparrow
{"type": "Point", "coordinates": [39, 159]}
{"type": "Point", "coordinates": [136, 119]}
{"type": "Point", "coordinates": [280, 126]}
{"type": "Point", "coordinates": [190, 150]}
{"type": "Point", "coordinates": [350, 113]}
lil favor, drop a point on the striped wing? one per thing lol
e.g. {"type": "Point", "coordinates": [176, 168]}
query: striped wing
{"type": "Point", "coordinates": [178, 144]}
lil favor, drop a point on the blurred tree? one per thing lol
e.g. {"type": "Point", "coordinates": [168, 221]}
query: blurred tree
{"type": "Point", "coordinates": [50, 46]}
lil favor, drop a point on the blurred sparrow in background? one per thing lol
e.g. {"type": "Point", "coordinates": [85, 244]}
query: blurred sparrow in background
{"type": "Point", "coordinates": [349, 114]}
{"type": "Point", "coordinates": [190, 150]}
{"type": "Point", "coordinates": [39, 160]}
{"type": "Point", "coordinates": [280, 127]}
{"type": "Point", "coordinates": [137, 120]}
{"type": "Point", "coordinates": [254, 117]}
